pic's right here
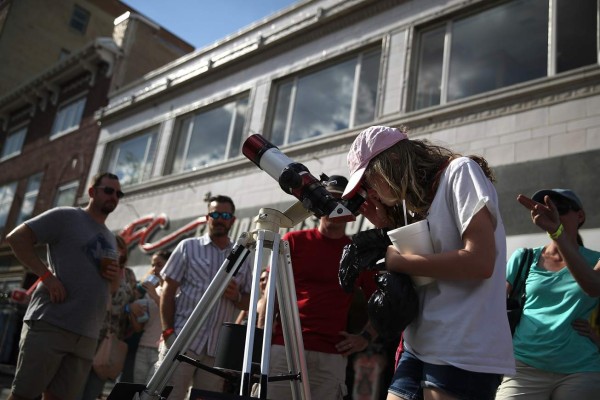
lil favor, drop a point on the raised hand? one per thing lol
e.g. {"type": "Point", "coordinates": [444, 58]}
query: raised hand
{"type": "Point", "coordinates": [544, 215]}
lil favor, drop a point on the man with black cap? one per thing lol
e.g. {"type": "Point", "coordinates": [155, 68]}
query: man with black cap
{"type": "Point", "coordinates": [323, 308]}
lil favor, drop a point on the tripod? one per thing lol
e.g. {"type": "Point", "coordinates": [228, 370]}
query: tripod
{"type": "Point", "coordinates": [265, 236]}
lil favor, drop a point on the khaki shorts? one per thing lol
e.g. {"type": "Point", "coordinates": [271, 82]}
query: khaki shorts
{"type": "Point", "coordinates": [53, 359]}
{"type": "Point", "coordinates": [326, 375]}
{"type": "Point", "coordinates": [534, 384]}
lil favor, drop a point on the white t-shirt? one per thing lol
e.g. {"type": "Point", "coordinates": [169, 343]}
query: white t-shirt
{"type": "Point", "coordinates": [463, 323]}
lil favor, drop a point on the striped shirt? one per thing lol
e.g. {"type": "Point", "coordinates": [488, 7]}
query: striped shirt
{"type": "Point", "coordinates": [194, 263]}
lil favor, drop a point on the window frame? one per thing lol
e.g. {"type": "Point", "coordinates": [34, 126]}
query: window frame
{"type": "Point", "coordinates": [113, 150]}
{"type": "Point", "coordinates": [447, 22]}
{"type": "Point", "coordinates": [65, 107]}
{"type": "Point", "coordinates": [4, 202]}
{"type": "Point", "coordinates": [238, 100]}
{"type": "Point", "coordinates": [79, 23]}
{"type": "Point", "coordinates": [11, 133]}
{"type": "Point", "coordinates": [30, 193]}
{"type": "Point", "coordinates": [62, 188]}
{"type": "Point", "coordinates": [359, 55]}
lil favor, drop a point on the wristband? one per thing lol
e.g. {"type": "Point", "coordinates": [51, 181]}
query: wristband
{"type": "Point", "coordinates": [558, 232]}
{"type": "Point", "coordinates": [365, 334]}
{"type": "Point", "coordinates": [168, 332]}
{"type": "Point", "coordinates": [45, 276]}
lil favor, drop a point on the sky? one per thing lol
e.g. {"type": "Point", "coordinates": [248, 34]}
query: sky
{"type": "Point", "coordinates": [203, 22]}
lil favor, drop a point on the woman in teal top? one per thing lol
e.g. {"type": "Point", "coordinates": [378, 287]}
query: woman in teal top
{"type": "Point", "coordinates": [554, 361]}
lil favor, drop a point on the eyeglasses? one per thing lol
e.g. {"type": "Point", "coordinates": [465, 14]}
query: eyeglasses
{"type": "Point", "coordinates": [222, 215]}
{"type": "Point", "coordinates": [110, 191]}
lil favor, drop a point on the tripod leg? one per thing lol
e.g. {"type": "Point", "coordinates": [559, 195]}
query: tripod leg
{"type": "Point", "coordinates": [245, 387]}
{"type": "Point", "coordinates": [290, 321]}
{"type": "Point", "coordinates": [270, 308]}
{"type": "Point", "coordinates": [189, 331]}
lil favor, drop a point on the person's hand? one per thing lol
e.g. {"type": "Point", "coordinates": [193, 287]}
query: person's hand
{"type": "Point", "coordinates": [584, 328]}
{"type": "Point", "coordinates": [544, 215]}
{"type": "Point", "coordinates": [150, 289]}
{"type": "Point", "coordinates": [55, 288]}
{"type": "Point", "coordinates": [137, 309]}
{"type": "Point", "coordinates": [365, 252]}
{"type": "Point", "coordinates": [111, 271]}
{"type": "Point", "coordinates": [375, 211]}
{"type": "Point", "coordinates": [351, 343]}
{"type": "Point", "coordinates": [232, 292]}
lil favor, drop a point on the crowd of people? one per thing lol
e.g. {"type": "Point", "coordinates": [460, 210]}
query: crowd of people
{"type": "Point", "coordinates": [455, 343]}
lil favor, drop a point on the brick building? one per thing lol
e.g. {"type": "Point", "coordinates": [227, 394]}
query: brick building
{"type": "Point", "coordinates": [48, 132]}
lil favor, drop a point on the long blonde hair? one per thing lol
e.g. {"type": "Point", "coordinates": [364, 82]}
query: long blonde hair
{"type": "Point", "coordinates": [412, 169]}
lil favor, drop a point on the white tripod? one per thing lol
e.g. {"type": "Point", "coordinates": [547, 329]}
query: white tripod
{"type": "Point", "coordinates": [265, 236]}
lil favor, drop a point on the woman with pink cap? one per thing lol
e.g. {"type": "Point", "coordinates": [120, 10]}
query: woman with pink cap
{"type": "Point", "coordinates": [459, 346]}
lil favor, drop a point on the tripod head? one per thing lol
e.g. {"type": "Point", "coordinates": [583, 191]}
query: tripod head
{"type": "Point", "coordinates": [295, 179]}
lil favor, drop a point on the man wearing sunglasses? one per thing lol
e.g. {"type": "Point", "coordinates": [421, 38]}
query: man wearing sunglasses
{"type": "Point", "coordinates": [187, 274]}
{"type": "Point", "coordinates": [67, 308]}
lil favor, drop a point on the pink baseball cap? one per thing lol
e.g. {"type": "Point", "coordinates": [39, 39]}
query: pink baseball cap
{"type": "Point", "coordinates": [366, 146]}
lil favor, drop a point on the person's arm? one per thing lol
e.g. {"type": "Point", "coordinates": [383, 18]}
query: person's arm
{"type": "Point", "coordinates": [133, 318]}
{"type": "Point", "coordinates": [474, 261]}
{"type": "Point", "coordinates": [22, 240]}
{"type": "Point", "coordinates": [261, 311]}
{"type": "Point", "coordinates": [167, 307]}
{"type": "Point", "coordinates": [233, 293]}
{"type": "Point", "coordinates": [151, 291]}
{"type": "Point", "coordinates": [353, 343]}
{"type": "Point", "coordinates": [546, 217]}
{"type": "Point", "coordinates": [241, 317]}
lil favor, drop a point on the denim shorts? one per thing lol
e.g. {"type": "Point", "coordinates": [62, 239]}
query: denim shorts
{"type": "Point", "coordinates": [412, 375]}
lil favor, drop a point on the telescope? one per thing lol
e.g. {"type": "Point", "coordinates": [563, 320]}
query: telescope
{"type": "Point", "coordinates": [295, 179]}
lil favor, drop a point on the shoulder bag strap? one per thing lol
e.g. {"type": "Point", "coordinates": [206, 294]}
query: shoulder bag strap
{"type": "Point", "coordinates": [528, 261]}
{"type": "Point", "coordinates": [517, 281]}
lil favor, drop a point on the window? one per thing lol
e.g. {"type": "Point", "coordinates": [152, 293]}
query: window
{"type": "Point", "coordinates": [7, 194]}
{"type": "Point", "coordinates": [79, 19]}
{"type": "Point", "coordinates": [66, 194]}
{"type": "Point", "coordinates": [132, 159]}
{"type": "Point", "coordinates": [67, 118]}
{"type": "Point", "coordinates": [210, 136]}
{"type": "Point", "coordinates": [501, 46]}
{"type": "Point", "coordinates": [14, 143]}
{"type": "Point", "coordinates": [31, 193]}
{"type": "Point", "coordinates": [318, 103]}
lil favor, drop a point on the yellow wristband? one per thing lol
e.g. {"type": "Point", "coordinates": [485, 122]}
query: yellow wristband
{"type": "Point", "coordinates": [558, 232]}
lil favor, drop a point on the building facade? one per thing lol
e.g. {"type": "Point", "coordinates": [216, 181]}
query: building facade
{"type": "Point", "coordinates": [48, 135]}
{"type": "Point", "coordinates": [35, 34]}
{"type": "Point", "coordinates": [512, 81]}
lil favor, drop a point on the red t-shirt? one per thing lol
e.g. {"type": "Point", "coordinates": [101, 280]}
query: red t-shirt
{"type": "Point", "coordinates": [322, 304]}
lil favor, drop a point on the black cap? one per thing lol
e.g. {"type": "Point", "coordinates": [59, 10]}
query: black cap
{"type": "Point", "coordinates": [336, 184]}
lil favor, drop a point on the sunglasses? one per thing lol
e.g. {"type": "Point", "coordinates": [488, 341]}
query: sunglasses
{"type": "Point", "coordinates": [222, 215]}
{"type": "Point", "coordinates": [564, 208]}
{"type": "Point", "coordinates": [110, 191]}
